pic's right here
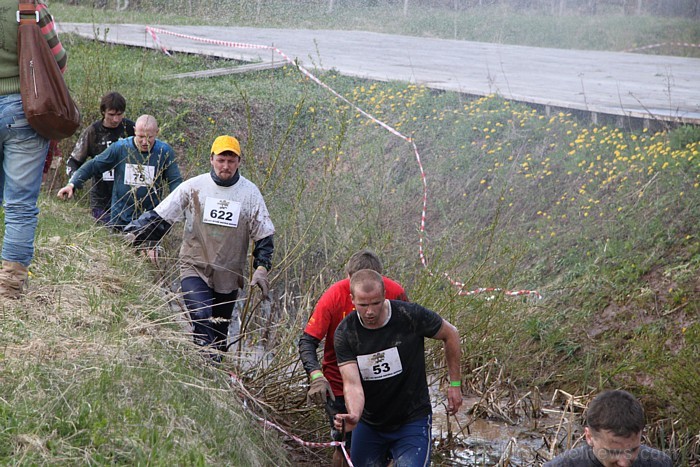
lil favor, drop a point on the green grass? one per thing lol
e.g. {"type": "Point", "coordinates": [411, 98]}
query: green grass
{"type": "Point", "coordinates": [95, 370]}
{"type": "Point", "coordinates": [602, 221]}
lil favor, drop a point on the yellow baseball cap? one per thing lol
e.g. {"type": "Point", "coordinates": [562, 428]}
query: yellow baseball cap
{"type": "Point", "coordinates": [226, 143]}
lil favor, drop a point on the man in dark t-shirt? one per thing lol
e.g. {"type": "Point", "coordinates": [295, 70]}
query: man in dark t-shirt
{"type": "Point", "coordinates": [325, 382]}
{"type": "Point", "coordinates": [380, 352]}
{"type": "Point", "coordinates": [614, 424]}
{"type": "Point", "coordinates": [93, 141]}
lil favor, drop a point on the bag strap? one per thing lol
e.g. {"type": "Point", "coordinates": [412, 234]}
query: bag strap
{"type": "Point", "coordinates": [27, 13]}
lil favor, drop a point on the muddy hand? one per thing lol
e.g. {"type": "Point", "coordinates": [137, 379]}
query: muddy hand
{"type": "Point", "coordinates": [66, 192]}
{"type": "Point", "coordinates": [345, 422]}
{"type": "Point", "coordinates": [454, 399]}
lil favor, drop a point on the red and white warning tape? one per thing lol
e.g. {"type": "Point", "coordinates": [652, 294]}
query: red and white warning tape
{"type": "Point", "coordinates": [382, 124]}
{"type": "Point", "coordinates": [510, 293]}
{"type": "Point", "coordinates": [663, 44]}
{"type": "Point", "coordinates": [162, 48]}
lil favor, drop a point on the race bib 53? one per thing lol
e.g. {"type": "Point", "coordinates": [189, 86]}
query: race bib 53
{"type": "Point", "coordinates": [380, 365]}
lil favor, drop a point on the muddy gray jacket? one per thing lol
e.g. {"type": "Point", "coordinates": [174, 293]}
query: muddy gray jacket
{"type": "Point", "coordinates": [220, 222]}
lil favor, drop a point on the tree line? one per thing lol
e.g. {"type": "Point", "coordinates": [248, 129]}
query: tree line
{"type": "Point", "coordinates": [687, 8]}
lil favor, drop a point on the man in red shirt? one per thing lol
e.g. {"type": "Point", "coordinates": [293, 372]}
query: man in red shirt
{"type": "Point", "coordinates": [326, 386]}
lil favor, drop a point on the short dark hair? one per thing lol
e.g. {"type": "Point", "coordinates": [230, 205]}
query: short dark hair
{"type": "Point", "coordinates": [112, 101]}
{"type": "Point", "coordinates": [616, 411]}
{"type": "Point", "coordinates": [363, 259]}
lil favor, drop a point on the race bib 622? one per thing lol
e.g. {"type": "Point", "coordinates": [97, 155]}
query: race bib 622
{"type": "Point", "coordinates": [221, 212]}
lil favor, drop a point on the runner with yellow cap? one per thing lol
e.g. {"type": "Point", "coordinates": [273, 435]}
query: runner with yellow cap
{"type": "Point", "coordinates": [222, 212]}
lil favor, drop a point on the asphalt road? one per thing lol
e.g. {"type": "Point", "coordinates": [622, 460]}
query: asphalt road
{"type": "Point", "coordinates": [612, 83]}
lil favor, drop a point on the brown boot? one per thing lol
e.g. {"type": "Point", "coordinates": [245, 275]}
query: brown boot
{"type": "Point", "coordinates": [339, 458]}
{"type": "Point", "coordinates": [13, 279]}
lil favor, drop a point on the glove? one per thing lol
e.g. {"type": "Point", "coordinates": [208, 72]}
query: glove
{"type": "Point", "coordinates": [261, 280]}
{"type": "Point", "coordinates": [149, 227]}
{"type": "Point", "coordinates": [318, 389]}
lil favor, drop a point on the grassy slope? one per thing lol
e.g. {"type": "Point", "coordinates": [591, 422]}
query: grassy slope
{"type": "Point", "coordinates": [95, 372]}
{"type": "Point", "coordinates": [602, 221]}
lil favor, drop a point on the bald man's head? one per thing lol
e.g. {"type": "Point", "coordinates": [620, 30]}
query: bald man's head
{"type": "Point", "coordinates": [145, 132]}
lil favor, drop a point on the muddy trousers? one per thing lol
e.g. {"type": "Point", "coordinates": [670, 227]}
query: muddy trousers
{"type": "Point", "coordinates": [210, 312]}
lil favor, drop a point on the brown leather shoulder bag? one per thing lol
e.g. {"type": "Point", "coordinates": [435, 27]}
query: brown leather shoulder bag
{"type": "Point", "coordinates": [47, 103]}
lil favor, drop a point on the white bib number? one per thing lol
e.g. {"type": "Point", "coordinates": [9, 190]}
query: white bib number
{"type": "Point", "coordinates": [221, 212]}
{"type": "Point", "coordinates": [139, 175]}
{"type": "Point", "coordinates": [380, 365]}
{"type": "Point", "coordinates": [108, 176]}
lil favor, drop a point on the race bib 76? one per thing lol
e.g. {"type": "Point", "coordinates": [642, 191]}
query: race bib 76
{"type": "Point", "coordinates": [139, 175]}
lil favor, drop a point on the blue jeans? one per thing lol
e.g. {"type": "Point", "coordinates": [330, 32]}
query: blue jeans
{"type": "Point", "coordinates": [22, 155]}
{"type": "Point", "coordinates": [203, 304]}
{"type": "Point", "coordinates": [409, 446]}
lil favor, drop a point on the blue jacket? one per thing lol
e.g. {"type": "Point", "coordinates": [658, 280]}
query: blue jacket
{"type": "Point", "coordinates": [139, 177]}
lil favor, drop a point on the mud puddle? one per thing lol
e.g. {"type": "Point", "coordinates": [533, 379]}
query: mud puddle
{"type": "Point", "coordinates": [466, 440]}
